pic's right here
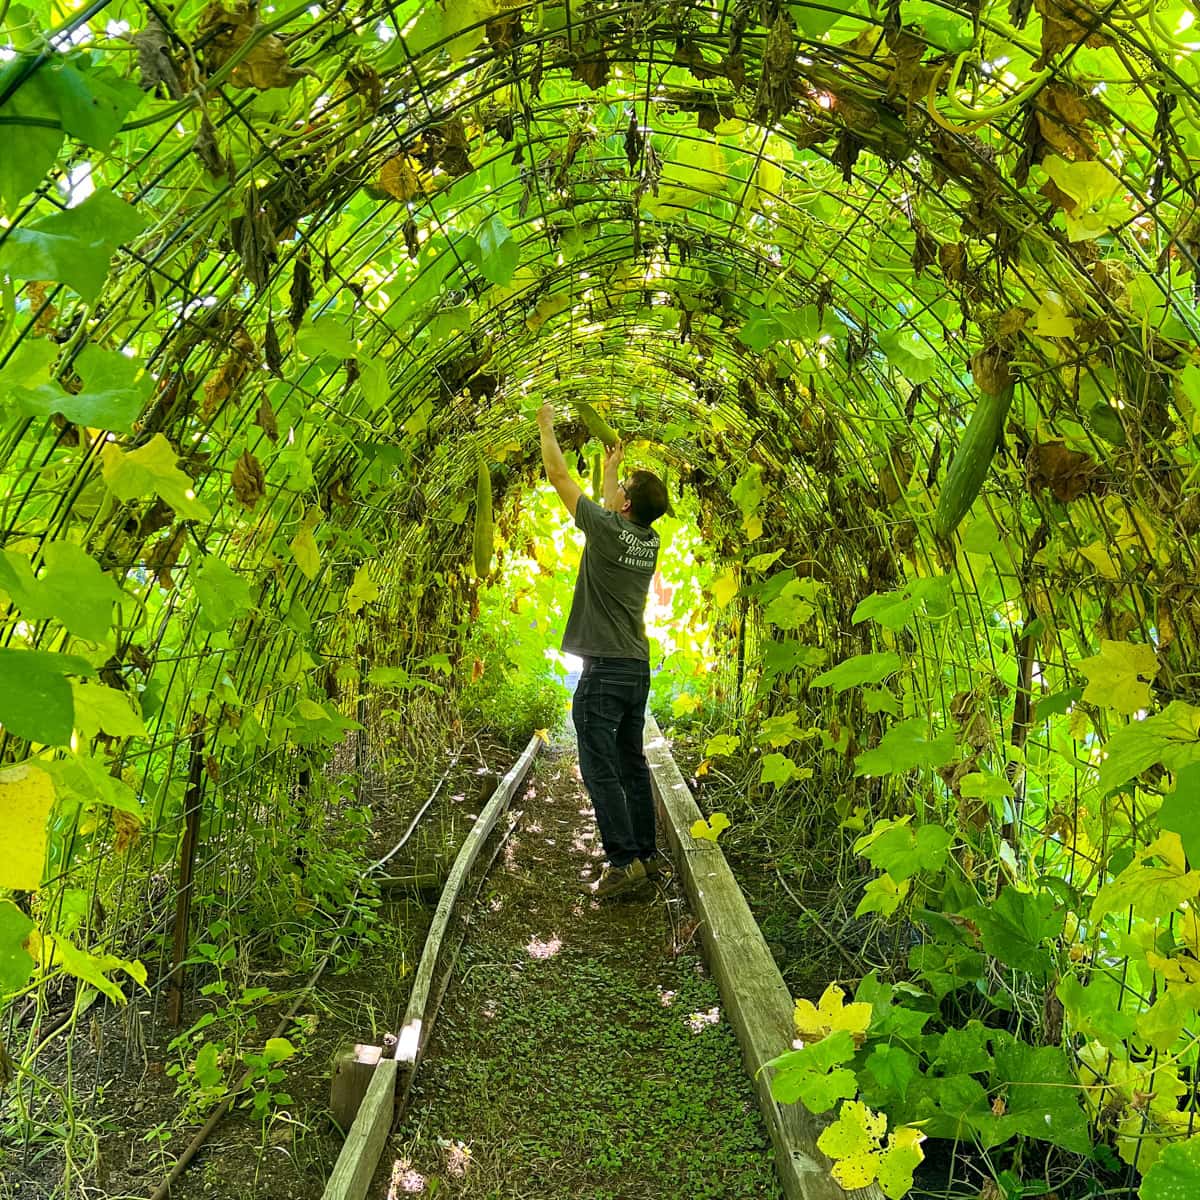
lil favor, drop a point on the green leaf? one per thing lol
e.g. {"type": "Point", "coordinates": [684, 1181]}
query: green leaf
{"type": "Point", "coordinates": [881, 701]}
{"type": "Point", "coordinates": [1042, 1094]}
{"type": "Point", "coordinates": [749, 491]}
{"type": "Point", "coordinates": [16, 963]}
{"type": "Point", "coordinates": [892, 1068]}
{"type": "Point", "coordinates": [900, 850]}
{"type": "Point", "coordinates": [92, 968]}
{"type": "Point", "coordinates": [882, 895]}
{"type": "Point", "coordinates": [115, 391]}
{"type": "Point", "coordinates": [92, 102]}
{"type": "Point", "coordinates": [29, 366]}
{"type": "Point", "coordinates": [779, 769]}
{"type": "Point", "coordinates": [374, 382]}
{"type": "Point", "coordinates": [721, 744]}
{"type": "Point", "coordinates": [73, 246]}
{"type": "Point", "coordinates": [860, 669]}
{"type": "Point", "coordinates": [223, 594]}
{"type": "Point", "coordinates": [945, 968]}
{"type": "Point", "coordinates": [983, 785]}
{"type": "Point", "coordinates": [909, 353]}
{"type": "Point", "coordinates": [1095, 1010]}
{"type": "Point", "coordinates": [29, 151]}
{"type": "Point", "coordinates": [499, 251]}
{"type": "Point", "coordinates": [899, 609]}
{"type": "Point", "coordinates": [83, 780]}
{"type": "Point", "coordinates": [277, 1049]}
{"type": "Point", "coordinates": [710, 830]}
{"type": "Point", "coordinates": [1152, 892]}
{"type": "Point", "coordinates": [1098, 193]}
{"type": "Point", "coordinates": [793, 606]}
{"type": "Point", "coordinates": [100, 709]}
{"type": "Point", "coordinates": [1176, 1173]}
{"type": "Point", "coordinates": [1170, 738]}
{"type": "Point", "coordinates": [1180, 811]}
{"type": "Point", "coordinates": [783, 729]}
{"type": "Point", "coordinates": [813, 1075]}
{"type": "Point", "coordinates": [1119, 676]}
{"type": "Point", "coordinates": [35, 696]}
{"type": "Point", "coordinates": [151, 471]}
{"type": "Point", "coordinates": [960, 1051]}
{"type": "Point", "coordinates": [206, 1070]}
{"type": "Point", "coordinates": [815, 22]}
{"type": "Point", "coordinates": [906, 746]}
{"type": "Point", "coordinates": [71, 589]}
{"type": "Point", "coordinates": [326, 335]}
{"type": "Point", "coordinates": [786, 655]}
{"type": "Point", "coordinates": [1014, 926]}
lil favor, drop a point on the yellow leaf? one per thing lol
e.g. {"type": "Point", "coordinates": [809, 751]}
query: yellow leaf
{"type": "Point", "coordinates": [543, 735]}
{"type": "Point", "coordinates": [1097, 554]}
{"type": "Point", "coordinates": [901, 1158]}
{"type": "Point", "coordinates": [814, 1022]}
{"type": "Point", "coordinates": [711, 829]}
{"type": "Point", "coordinates": [305, 552]}
{"type": "Point", "coordinates": [684, 703]}
{"type": "Point", "coordinates": [702, 769]}
{"type": "Point", "coordinates": [362, 591]}
{"type": "Point", "coordinates": [724, 588]}
{"type": "Point", "coordinates": [1051, 319]}
{"type": "Point", "coordinates": [853, 1142]}
{"type": "Point", "coordinates": [752, 526]}
{"type": "Point", "coordinates": [26, 797]}
{"type": "Point", "coordinates": [1119, 676]}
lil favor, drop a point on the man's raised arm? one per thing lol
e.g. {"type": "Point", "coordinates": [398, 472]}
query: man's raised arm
{"type": "Point", "coordinates": [614, 501]}
{"type": "Point", "coordinates": [556, 466]}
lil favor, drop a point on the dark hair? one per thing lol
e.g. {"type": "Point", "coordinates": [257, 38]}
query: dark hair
{"type": "Point", "coordinates": [647, 495]}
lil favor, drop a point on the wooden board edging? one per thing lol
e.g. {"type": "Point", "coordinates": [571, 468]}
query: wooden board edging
{"type": "Point", "coordinates": [755, 997]}
{"type": "Point", "coordinates": [355, 1166]}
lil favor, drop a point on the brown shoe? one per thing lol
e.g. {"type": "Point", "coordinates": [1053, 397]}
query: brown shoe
{"type": "Point", "coordinates": [657, 866]}
{"type": "Point", "coordinates": [615, 880]}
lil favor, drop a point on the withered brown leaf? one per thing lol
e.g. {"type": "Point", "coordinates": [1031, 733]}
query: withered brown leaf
{"type": "Point", "coordinates": [265, 418]}
{"type": "Point", "coordinates": [248, 480]}
{"type": "Point", "coordinates": [1068, 474]}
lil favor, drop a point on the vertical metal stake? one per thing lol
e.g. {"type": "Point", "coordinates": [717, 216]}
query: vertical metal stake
{"type": "Point", "coordinates": [187, 861]}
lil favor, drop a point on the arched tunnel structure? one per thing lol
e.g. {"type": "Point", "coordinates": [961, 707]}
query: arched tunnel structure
{"type": "Point", "coordinates": [273, 280]}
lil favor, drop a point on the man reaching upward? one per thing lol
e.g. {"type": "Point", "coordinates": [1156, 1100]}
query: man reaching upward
{"type": "Point", "coordinates": [606, 628]}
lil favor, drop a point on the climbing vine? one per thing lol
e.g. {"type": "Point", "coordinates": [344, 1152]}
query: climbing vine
{"type": "Point", "coordinates": [901, 298]}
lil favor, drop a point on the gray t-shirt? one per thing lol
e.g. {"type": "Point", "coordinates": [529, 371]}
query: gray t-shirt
{"type": "Point", "coordinates": [607, 612]}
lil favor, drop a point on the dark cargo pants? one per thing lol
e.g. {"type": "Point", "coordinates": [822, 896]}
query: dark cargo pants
{"type": "Point", "coordinates": [609, 710]}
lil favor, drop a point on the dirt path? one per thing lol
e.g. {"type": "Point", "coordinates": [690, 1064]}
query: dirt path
{"type": "Point", "coordinates": [581, 1050]}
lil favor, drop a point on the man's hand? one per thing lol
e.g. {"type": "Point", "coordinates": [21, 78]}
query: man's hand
{"type": "Point", "coordinates": [615, 456]}
{"type": "Point", "coordinates": [545, 416]}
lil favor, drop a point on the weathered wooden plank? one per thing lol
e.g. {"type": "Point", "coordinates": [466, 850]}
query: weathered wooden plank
{"type": "Point", "coordinates": [364, 1144]}
{"type": "Point", "coordinates": [353, 1070]}
{"type": "Point", "coordinates": [413, 1032]}
{"type": "Point", "coordinates": [755, 996]}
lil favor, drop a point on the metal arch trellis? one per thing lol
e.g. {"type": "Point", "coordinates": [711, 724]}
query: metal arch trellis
{"type": "Point", "coordinates": [338, 149]}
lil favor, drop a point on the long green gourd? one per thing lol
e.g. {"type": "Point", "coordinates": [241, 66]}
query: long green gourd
{"type": "Point", "coordinates": [597, 426]}
{"type": "Point", "coordinates": [969, 466]}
